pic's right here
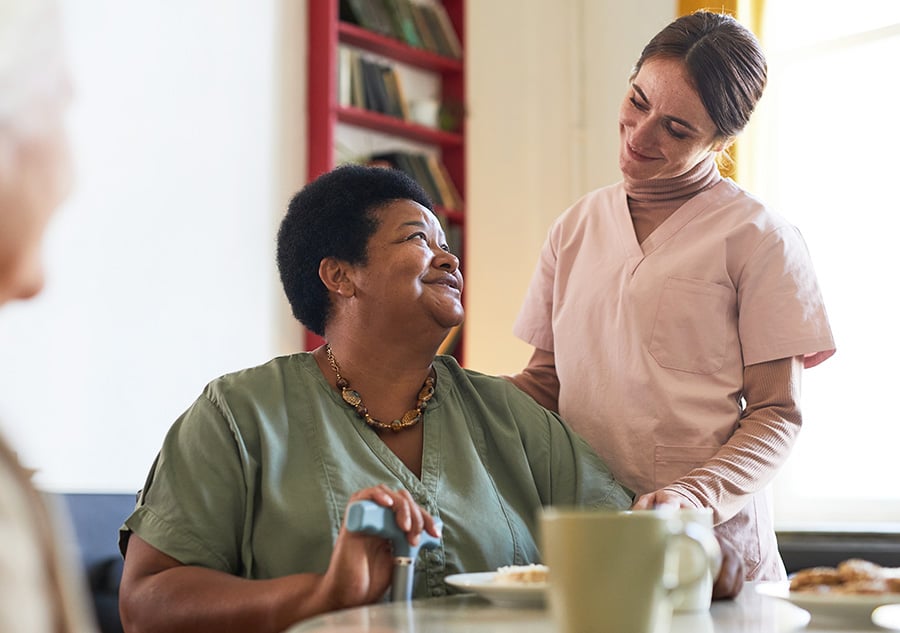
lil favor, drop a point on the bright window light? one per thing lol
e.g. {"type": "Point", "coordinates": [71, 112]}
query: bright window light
{"type": "Point", "coordinates": [822, 151]}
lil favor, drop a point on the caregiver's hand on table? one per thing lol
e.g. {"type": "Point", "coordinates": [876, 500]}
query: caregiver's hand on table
{"type": "Point", "coordinates": [659, 498]}
{"type": "Point", "coordinates": [730, 580]}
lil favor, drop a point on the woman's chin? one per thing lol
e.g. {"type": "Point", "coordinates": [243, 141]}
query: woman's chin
{"type": "Point", "coordinates": [23, 284]}
{"type": "Point", "coordinates": [632, 170]}
{"type": "Point", "coordinates": [451, 321]}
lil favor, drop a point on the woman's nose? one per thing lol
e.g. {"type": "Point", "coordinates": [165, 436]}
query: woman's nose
{"type": "Point", "coordinates": [642, 134]}
{"type": "Point", "coordinates": [446, 260]}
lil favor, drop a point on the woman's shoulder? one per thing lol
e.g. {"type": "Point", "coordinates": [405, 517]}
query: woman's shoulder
{"type": "Point", "coordinates": [253, 398]}
{"type": "Point", "coordinates": [745, 207]}
{"type": "Point", "coordinates": [262, 381]}
{"type": "Point", "coordinates": [592, 213]}
{"type": "Point", "coordinates": [612, 191]}
{"type": "Point", "coordinates": [603, 198]}
{"type": "Point", "coordinates": [276, 365]}
{"type": "Point", "coordinates": [464, 376]}
{"type": "Point", "coordinates": [494, 391]}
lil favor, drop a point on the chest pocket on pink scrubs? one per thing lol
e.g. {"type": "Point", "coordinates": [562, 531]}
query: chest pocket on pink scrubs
{"type": "Point", "coordinates": [689, 331]}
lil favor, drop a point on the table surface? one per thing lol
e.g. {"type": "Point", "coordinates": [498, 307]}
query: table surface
{"type": "Point", "coordinates": [748, 613]}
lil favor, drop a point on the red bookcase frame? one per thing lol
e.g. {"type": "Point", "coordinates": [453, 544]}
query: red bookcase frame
{"type": "Point", "coordinates": [326, 32]}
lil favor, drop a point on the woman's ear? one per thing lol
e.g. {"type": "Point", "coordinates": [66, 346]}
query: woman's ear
{"type": "Point", "coordinates": [722, 144]}
{"type": "Point", "coordinates": [333, 273]}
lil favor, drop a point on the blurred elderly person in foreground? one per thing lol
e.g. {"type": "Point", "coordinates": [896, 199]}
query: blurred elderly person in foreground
{"type": "Point", "coordinates": [39, 591]}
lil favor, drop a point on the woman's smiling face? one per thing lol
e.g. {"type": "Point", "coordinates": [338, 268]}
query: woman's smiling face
{"type": "Point", "coordinates": [664, 129]}
{"type": "Point", "coordinates": [410, 279]}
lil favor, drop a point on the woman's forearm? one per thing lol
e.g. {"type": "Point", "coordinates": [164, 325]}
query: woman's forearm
{"type": "Point", "coordinates": [199, 600]}
{"type": "Point", "coordinates": [159, 594]}
{"type": "Point", "coordinates": [751, 458]}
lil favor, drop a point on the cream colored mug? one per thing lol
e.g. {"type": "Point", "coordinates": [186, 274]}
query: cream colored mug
{"type": "Point", "coordinates": [618, 572]}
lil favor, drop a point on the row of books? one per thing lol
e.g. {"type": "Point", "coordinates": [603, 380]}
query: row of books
{"type": "Point", "coordinates": [428, 171]}
{"type": "Point", "coordinates": [419, 23]}
{"type": "Point", "coordinates": [454, 236]}
{"type": "Point", "coordinates": [368, 84]}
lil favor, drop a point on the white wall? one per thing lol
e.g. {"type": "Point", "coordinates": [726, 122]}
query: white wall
{"type": "Point", "coordinates": [188, 130]}
{"type": "Point", "coordinates": [545, 80]}
{"type": "Point", "coordinates": [160, 265]}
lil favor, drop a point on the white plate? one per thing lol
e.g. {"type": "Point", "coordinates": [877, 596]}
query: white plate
{"type": "Point", "coordinates": [830, 607]}
{"type": "Point", "coordinates": [501, 594]}
{"type": "Point", "coordinates": [887, 617]}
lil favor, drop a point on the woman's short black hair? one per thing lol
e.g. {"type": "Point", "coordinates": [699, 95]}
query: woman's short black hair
{"type": "Point", "coordinates": [724, 60]}
{"type": "Point", "coordinates": [333, 216]}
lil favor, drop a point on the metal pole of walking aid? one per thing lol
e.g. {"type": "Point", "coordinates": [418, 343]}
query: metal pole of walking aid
{"type": "Point", "coordinates": [370, 518]}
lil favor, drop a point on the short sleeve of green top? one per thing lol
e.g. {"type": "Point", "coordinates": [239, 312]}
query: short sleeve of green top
{"type": "Point", "coordinates": [253, 479]}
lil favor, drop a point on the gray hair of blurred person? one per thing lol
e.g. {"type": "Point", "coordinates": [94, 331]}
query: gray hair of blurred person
{"type": "Point", "coordinates": [35, 162]}
{"type": "Point", "coordinates": [34, 83]}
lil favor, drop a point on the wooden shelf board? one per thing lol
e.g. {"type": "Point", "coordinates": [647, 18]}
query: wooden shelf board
{"type": "Point", "coordinates": [396, 50]}
{"type": "Point", "coordinates": [398, 127]}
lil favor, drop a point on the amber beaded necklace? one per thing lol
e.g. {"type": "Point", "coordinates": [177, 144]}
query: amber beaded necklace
{"type": "Point", "coordinates": [351, 397]}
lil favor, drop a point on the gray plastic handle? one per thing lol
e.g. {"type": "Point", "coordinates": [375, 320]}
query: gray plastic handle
{"type": "Point", "coordinates": [370, 518]}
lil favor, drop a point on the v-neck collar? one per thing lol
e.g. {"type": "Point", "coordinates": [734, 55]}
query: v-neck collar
{"type": "Point", "coordinates": [426, 486]}
{"type": "Point", "coordinates": [635, 252]}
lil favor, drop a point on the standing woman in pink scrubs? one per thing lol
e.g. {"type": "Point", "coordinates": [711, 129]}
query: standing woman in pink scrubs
{"type": "Point", "coordinates": [672, 313]}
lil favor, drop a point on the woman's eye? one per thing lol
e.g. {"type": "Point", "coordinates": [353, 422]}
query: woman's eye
{"type": "Point", "coordinates": [676, 134]}
{"type": "Point", "coordinates": [636, 104]}
{"type": "Point", "coordinates": [445, 247]}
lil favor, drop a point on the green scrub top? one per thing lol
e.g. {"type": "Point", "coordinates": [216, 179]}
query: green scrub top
{"type": "Point", "coordinates": [254, 478]}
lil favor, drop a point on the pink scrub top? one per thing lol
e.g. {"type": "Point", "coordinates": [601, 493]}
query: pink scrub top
{"type": "Point", "coordinates": [651, 339]}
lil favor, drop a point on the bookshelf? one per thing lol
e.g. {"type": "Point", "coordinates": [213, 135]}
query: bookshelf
{"type": "Point", "coordinates": [339, 130]}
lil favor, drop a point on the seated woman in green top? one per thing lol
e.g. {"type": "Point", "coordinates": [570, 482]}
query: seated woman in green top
{"type": "Point", "coordinates": [239, 525]}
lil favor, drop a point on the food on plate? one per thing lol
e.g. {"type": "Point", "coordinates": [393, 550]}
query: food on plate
{"type": "Point", "coordinates": [854, 576]}
{"type": "Point", "coordinates": [521, 574]}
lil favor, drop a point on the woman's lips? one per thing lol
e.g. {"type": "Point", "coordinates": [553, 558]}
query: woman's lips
{"type": "Point", "coordinates": [636, 155]}
{"type": "Point", "coordinates": [447, 280]}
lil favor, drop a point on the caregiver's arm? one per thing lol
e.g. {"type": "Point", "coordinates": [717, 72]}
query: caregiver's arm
{"type": "Point", "coordinates": [752, 456]}
{"type": "Point", "coordinates": [539, 379]}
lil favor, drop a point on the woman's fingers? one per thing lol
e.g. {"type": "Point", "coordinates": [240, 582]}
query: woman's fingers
{"type": "Point", "coordinates": [660, 498]}
{"type": "Point", "coordinates": [431, 526]}
{"type": "Point", "coordinates": [410, 517]}
{"type": "Point", "coordinates": [645, 502]}
{"type": "Point", "coordinates": [380, 494]}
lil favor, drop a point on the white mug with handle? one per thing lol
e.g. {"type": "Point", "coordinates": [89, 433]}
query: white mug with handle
{"type": "Point", "coordinates": [696, 596]}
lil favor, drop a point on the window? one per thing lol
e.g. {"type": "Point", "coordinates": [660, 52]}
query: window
{"type": "Point", "coordinates": [822, 151]}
